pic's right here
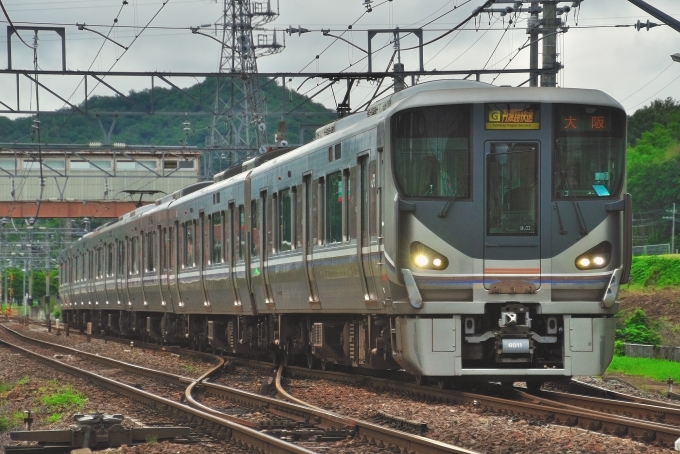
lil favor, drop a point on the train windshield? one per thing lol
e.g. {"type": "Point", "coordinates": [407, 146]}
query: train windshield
{"type": "Point", "coordinates": [589, 151]}
{"type": "Point", "coordinates": [432, 151]}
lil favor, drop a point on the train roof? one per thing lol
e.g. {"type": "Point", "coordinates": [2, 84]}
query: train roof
{"type": "Point", "coordinates": [430, 93]}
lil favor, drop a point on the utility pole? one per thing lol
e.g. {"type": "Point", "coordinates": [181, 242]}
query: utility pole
{"type": "Point", "coordinates": [47, 269]}
{"type": "Point", "coordinates": [550, 64]}
{"type": "Point", "coordinates": [238, 124]}
{"type": "Point", "coordinates": [398, 66]}
{"type": "Point", "coordinates": [673, 231]}
{"type": "Point", "coordinates": [533, 31]}
{"type": "Point", "coordinates": [548, 26]}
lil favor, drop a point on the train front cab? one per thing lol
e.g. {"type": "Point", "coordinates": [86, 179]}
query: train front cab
{"type": "Point", "coordinates": [511, 223]}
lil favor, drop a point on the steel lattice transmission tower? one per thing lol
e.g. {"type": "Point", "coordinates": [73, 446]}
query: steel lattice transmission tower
{"type": "Point", "coordinates": [238, 129]}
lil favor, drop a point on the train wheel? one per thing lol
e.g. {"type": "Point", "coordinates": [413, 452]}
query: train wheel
{"type": "Point", "coordinates": [325, 365]}
{"type": "Point", "coordinates": [442, 384]}
{"type": "Point", "coordinates": [285, 357]}
{"type": "Point", "coordinates": [421, 380]}
{"type": "Point", "coordinates": [311, 361]}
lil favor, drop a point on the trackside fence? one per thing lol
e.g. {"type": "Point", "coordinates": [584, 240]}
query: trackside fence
{"type": "Point", "coordinates": [651, 351]}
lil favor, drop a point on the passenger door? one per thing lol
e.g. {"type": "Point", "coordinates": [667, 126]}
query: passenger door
{"type": "Point", "coordinates": [512, 237]}
{"type": "Point", "coordinates": [307, 240]}
{"type": "Point", "coordinates": [367, 238]}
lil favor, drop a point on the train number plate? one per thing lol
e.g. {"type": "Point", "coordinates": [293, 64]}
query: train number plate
{"type": "Point", "coordinates": [516, 346]}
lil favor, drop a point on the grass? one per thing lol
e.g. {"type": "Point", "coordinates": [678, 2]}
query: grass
{"type": "Point", "coordinates": [656, 369]}
{"type": "Point", "coordinates": [54, 417]}
{"type": "Point", "coordinates": [151, 439]}
{"type": "Point", "coordinates": [60, 400]}
{"type": "Point", "coordinates": [66, 397]}
{"type": "Point", "coordinates": [4, 387]}
{"type": "Point", "coordinates": [12, 421]}
{"type": "Point", "coordinates": [55, 402]}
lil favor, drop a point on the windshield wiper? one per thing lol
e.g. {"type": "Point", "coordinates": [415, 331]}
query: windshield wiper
{"type": "Point", "coordinates": [449, 202]}
{"type": "Point", "coordinates": [583, 230]}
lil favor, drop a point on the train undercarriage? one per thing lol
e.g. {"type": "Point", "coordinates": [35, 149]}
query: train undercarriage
{"type": "Point", "coordinates": [510, 341]}
{"type": "Point", "coordinates": [318, 341]}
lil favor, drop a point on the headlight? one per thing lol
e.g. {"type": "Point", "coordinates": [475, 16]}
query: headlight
{"type": "Point", "coordinates": [427, 258]}
{"type": "Point", "coordinates": [597, 257]}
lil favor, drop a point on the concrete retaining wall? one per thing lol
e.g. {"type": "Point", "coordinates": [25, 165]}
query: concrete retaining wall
{"type": "Point", "coordinates": [650, 351]}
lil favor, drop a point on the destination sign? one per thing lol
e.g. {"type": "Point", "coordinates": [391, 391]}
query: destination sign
{"type": "Point", "coordinates": [511, 116]}
{"type": "Point", "coordinates": [575, 119]}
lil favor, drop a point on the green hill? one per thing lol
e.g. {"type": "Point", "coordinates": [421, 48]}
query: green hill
{"type": "Point", "coordinates": [163, 129]}
{"type": "Point", "coordinates": [654, 169]}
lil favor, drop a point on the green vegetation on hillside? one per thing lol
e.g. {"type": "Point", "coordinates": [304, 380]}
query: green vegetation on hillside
{"type": "Point", "coordinates": [654, 168]}
{"type": "Point", "coordinates": [636, 329]}
{"type": "Point", "coordinates": [164, 129]}
{"type": "Point", "coordinates": [655, 271]}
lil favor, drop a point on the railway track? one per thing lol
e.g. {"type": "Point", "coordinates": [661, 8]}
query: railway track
{"type": "Point", "coordinates": [612, 413]}
{"type": "Point", "coordinates": [285, 420]}
{"type": "Point", "coordinates": [220, 428]}
{"type": "Point", "coordinates": [646, 422]}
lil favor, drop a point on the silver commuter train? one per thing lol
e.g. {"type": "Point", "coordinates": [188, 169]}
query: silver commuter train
{"type": "Point", "coordinates": [454, 229]}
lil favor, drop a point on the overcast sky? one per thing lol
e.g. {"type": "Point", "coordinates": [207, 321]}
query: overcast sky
{"type": "Point", "coordinates": [633, 67]}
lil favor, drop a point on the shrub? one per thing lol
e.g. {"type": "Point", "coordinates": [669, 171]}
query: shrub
{"type": "Point", "coordinates": [637, 329]}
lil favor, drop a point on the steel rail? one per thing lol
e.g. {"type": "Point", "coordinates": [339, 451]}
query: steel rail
{"type": "Point", "coordinates": [533, 409]}
{"type": "Point", "coordinates": [658, 412]}
{"type": "Point", "coordinates": [621, 396]}
{"type": "Point", "coordinates": [260, 403]}
{"type": "Point", "coordinates": [151, 373]}
{"type": "Point", "coordinates": [369, 431]}
{"type": "Point", "coordinates": [245, 437]}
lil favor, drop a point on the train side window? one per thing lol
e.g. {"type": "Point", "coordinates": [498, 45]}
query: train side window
{"type": "Point", "coordinates": [285, 224]}
{"type": "Point", "coordinates": [163, 237]}
{"type": "Point", "coordinates": [202, 241]}
{"type": "Point", "coordinates": [172, 246]}
{"type": "Point", "coordinates": [120, 257]}
{"type": "Point", "coordinates": [241, 232]}
{"type": "Point", "coordinates": [268, 224]}
{"type": "Point", "coordinates": [109, 260]}
{"type": "Point", "coordinates": [134, 255]}
{"type": "Point", "coordinates": [216, 238]}
{"type": "Point", "coordinates": [334, 208]}
{"type": "Point", "coordinates": [321, 211]}
{"type": "Point", "coordinates": [188, 244]}
{"type": "Point", "coordinates": [229, 235]}
{"type": "Point", "coordinates": [350, 205]}
{"type": "Point", "coordinates": [297, 211]}
{"type": "Point", "coordinates": [254, 228]}
{"type": "Point", "coordinates": [150, 252]}
{"type": "Point", "coordinates": [334, 152]}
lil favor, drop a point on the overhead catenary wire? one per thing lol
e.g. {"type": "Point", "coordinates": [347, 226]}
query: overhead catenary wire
{"type": "Point", "coordinates": [165, 2]}
{"type": "Point", "coordinates": [645, 85]}
{"type": "Point", "coordinates": [4, 11]}
{"type": "Point", "coordinates": [659, 91]}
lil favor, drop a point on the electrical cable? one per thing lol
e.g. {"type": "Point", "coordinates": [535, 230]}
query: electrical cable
{"type": "Point", "coordinates": [117, 60]}
{"type": "Point", "coordinates": [662, 89]}
{"type": "Point", "coordinates": [645, 85]}
{"type": "Point", "coordinates": [12, 25]}
{"type": "Point", "coordinates": [497, 44]}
